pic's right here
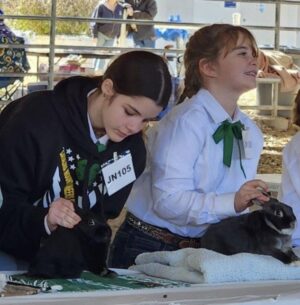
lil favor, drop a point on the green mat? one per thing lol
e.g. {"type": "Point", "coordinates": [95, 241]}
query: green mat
{"type": "Point", "coordinates": [91, 282]}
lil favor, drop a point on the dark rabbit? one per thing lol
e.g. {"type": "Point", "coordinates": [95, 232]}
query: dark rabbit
{"type": "Point", "coordinates": [67, 252]}
{"type": "Point", "coordinates": [266, 231]}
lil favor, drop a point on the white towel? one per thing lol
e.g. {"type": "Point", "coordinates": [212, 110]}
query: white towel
{"type": "Point", "coordinates": [2, 281]}
{"type": "Point", "coordinates": [206, 266]}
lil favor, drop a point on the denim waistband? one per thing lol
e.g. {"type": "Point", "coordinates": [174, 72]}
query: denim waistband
{"type": "Point", "coordinates": [161, 234]}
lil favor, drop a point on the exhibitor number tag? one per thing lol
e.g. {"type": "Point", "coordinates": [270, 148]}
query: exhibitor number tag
{"type": "Point", "coordinates": [118, 174]}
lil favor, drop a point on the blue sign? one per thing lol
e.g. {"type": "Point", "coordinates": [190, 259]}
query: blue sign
{"type": "Point", "coordinates": [229, 3]}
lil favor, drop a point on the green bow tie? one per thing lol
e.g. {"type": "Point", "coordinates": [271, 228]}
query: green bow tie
{"type": "Point", "coordinates": [227, 132]}
{"type": "Point", "coordinates": [100, 147]}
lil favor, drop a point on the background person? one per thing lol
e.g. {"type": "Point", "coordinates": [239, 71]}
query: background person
{"type": "Point", "coordinates": [54, 144]}
{"type": "Point", "coordinates": [289, 191]}
{"type": "Point", "coordinates": [106, 33]}
{"type": "Point", "coordinates": [11, 59]}
{"type": "Point", "coordinates": [204, 154]}
{"type": "Point", "coordinates": [143, 35]}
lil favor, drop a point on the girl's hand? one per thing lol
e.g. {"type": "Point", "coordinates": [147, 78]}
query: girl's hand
{"type": "Point", "coordinates": [62, 213]}
{"type": "Point", "coordinates": [249, 191]}
{"type": "Point", "coordinates": [129, 11]}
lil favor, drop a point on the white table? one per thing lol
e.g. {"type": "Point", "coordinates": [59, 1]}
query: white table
{"type": "Point", "coordinates": [254, 293]}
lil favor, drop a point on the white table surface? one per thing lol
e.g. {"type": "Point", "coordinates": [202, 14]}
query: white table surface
{"type": "Point", "coordinates": [254, 293]}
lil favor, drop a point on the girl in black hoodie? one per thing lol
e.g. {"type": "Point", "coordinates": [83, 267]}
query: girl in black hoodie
{"type": "Point", "coordinates": [79, 144]}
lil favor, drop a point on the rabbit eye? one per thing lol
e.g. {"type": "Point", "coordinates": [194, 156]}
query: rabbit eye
{"type": "Point", "coordinates": [278, 213]}
{"type": "Point", "coordinates": [91, 222]}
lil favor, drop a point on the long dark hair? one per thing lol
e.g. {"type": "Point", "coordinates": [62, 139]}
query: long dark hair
{"type": "Point", "coordinates": [141, 73]}
{"type": "Point", "coordinates": [207, 43]}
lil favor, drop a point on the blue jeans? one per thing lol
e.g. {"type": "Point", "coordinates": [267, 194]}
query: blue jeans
{"type": "Point", "coordinates": [9, 263]}
{"type": "Point", "coordinates": [129, 242]}
{"type": "Point", "coordinates": [144, 43]}
{"type": "Point", "coordinates": [103, 41]}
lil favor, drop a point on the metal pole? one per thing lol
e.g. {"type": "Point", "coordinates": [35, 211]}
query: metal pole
{"type": "Point", "coordinates": [277, 25]}
{"type": "Point", "coordinates": [122, 38]}
{"type": "Point", "coordinates": [52, 44]}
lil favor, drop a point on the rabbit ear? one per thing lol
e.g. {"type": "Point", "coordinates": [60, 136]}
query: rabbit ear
{"type": "Point", "coordinates": [261, 203]}
{"type": "Point", "coordinates": [268, 194]}
{"type": "Point", "coordinates": [257, 202]}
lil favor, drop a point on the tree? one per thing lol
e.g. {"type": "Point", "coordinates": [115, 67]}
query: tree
{"type": "Point", "coordinates": [64, 8]}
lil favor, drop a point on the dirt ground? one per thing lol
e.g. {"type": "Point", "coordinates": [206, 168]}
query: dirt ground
{"type": "Point", "coordinates": [274, 140]}
{"type": "Point", "coordinates": [271, 157]}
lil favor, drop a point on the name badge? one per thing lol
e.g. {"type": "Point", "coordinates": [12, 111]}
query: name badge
{"type": "Point", "coordinates": [118, 172]}
{"type": "Point", "coordinates": [247, 145]}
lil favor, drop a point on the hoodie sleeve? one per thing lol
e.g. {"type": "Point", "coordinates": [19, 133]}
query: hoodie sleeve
{"type": "Point", "coordinates": [21, 223]}
{"type": "Point", "coordinates": [97, 13]}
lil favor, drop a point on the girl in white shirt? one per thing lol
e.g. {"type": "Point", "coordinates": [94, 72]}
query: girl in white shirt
{"type": "Point", "coordinates": [289, 192]}
{"type": "Point", "coordinates": [193, 179]}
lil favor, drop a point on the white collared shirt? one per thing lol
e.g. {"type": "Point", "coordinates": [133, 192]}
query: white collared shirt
{"type": "Point", "coordinates": [289, 191]}
{"type": "Point", "coordinates": [103, 140]}
{"type": "Point", "coordinates": [188, 186]}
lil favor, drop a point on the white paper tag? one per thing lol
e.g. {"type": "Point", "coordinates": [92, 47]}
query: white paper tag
{"type": "Point", "coordinates": [119, 173]}
{"type": "Point", "coordinates": [247, 145]}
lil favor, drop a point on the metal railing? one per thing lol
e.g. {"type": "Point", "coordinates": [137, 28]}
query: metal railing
{"type": "Point", "coordinates": [52, 48]}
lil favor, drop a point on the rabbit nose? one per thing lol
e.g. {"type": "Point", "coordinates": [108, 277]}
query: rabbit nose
{"type": "Point", "coordinates": [293, 224]}
{"type": "Point", "coordinates": [91, 222]}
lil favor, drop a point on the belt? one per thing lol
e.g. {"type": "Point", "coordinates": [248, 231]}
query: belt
{"type": "Point", "coordinates": [163, 235]}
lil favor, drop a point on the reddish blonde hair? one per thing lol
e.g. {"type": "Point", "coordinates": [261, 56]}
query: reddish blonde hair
{"type": "Point", "coordinates": [208, 43]}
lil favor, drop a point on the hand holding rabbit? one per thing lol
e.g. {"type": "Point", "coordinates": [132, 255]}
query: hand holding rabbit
{"type": "Point", "coordinates": [62, 213]}
{"type": "Point", "coordinates": [249, 191]}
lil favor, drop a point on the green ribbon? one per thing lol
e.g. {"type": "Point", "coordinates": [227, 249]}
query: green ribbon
{"type": "Point", "coordinates": [100, 147]}
{"type": "Point", "coordinates": [227, 132]}
{"type": "Point", "coordinates": [93, 170]}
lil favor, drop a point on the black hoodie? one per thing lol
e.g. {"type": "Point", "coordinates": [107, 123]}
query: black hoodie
{"type": "Point", "coordinates": [44, 140]}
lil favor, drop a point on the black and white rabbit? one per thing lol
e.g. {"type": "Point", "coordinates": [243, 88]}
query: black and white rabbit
{"type": "Point", "coordinates": [67, 252]}
{"type": "Point", "coordinates": [266, 231]}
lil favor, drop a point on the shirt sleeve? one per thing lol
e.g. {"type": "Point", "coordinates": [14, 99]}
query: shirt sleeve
{"type": "Point", "coordinates": [46, 226]}
{"type": "Point", "coordinates": [175, 152]}
{"type": "Point", "coordinates": [289, 192]}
